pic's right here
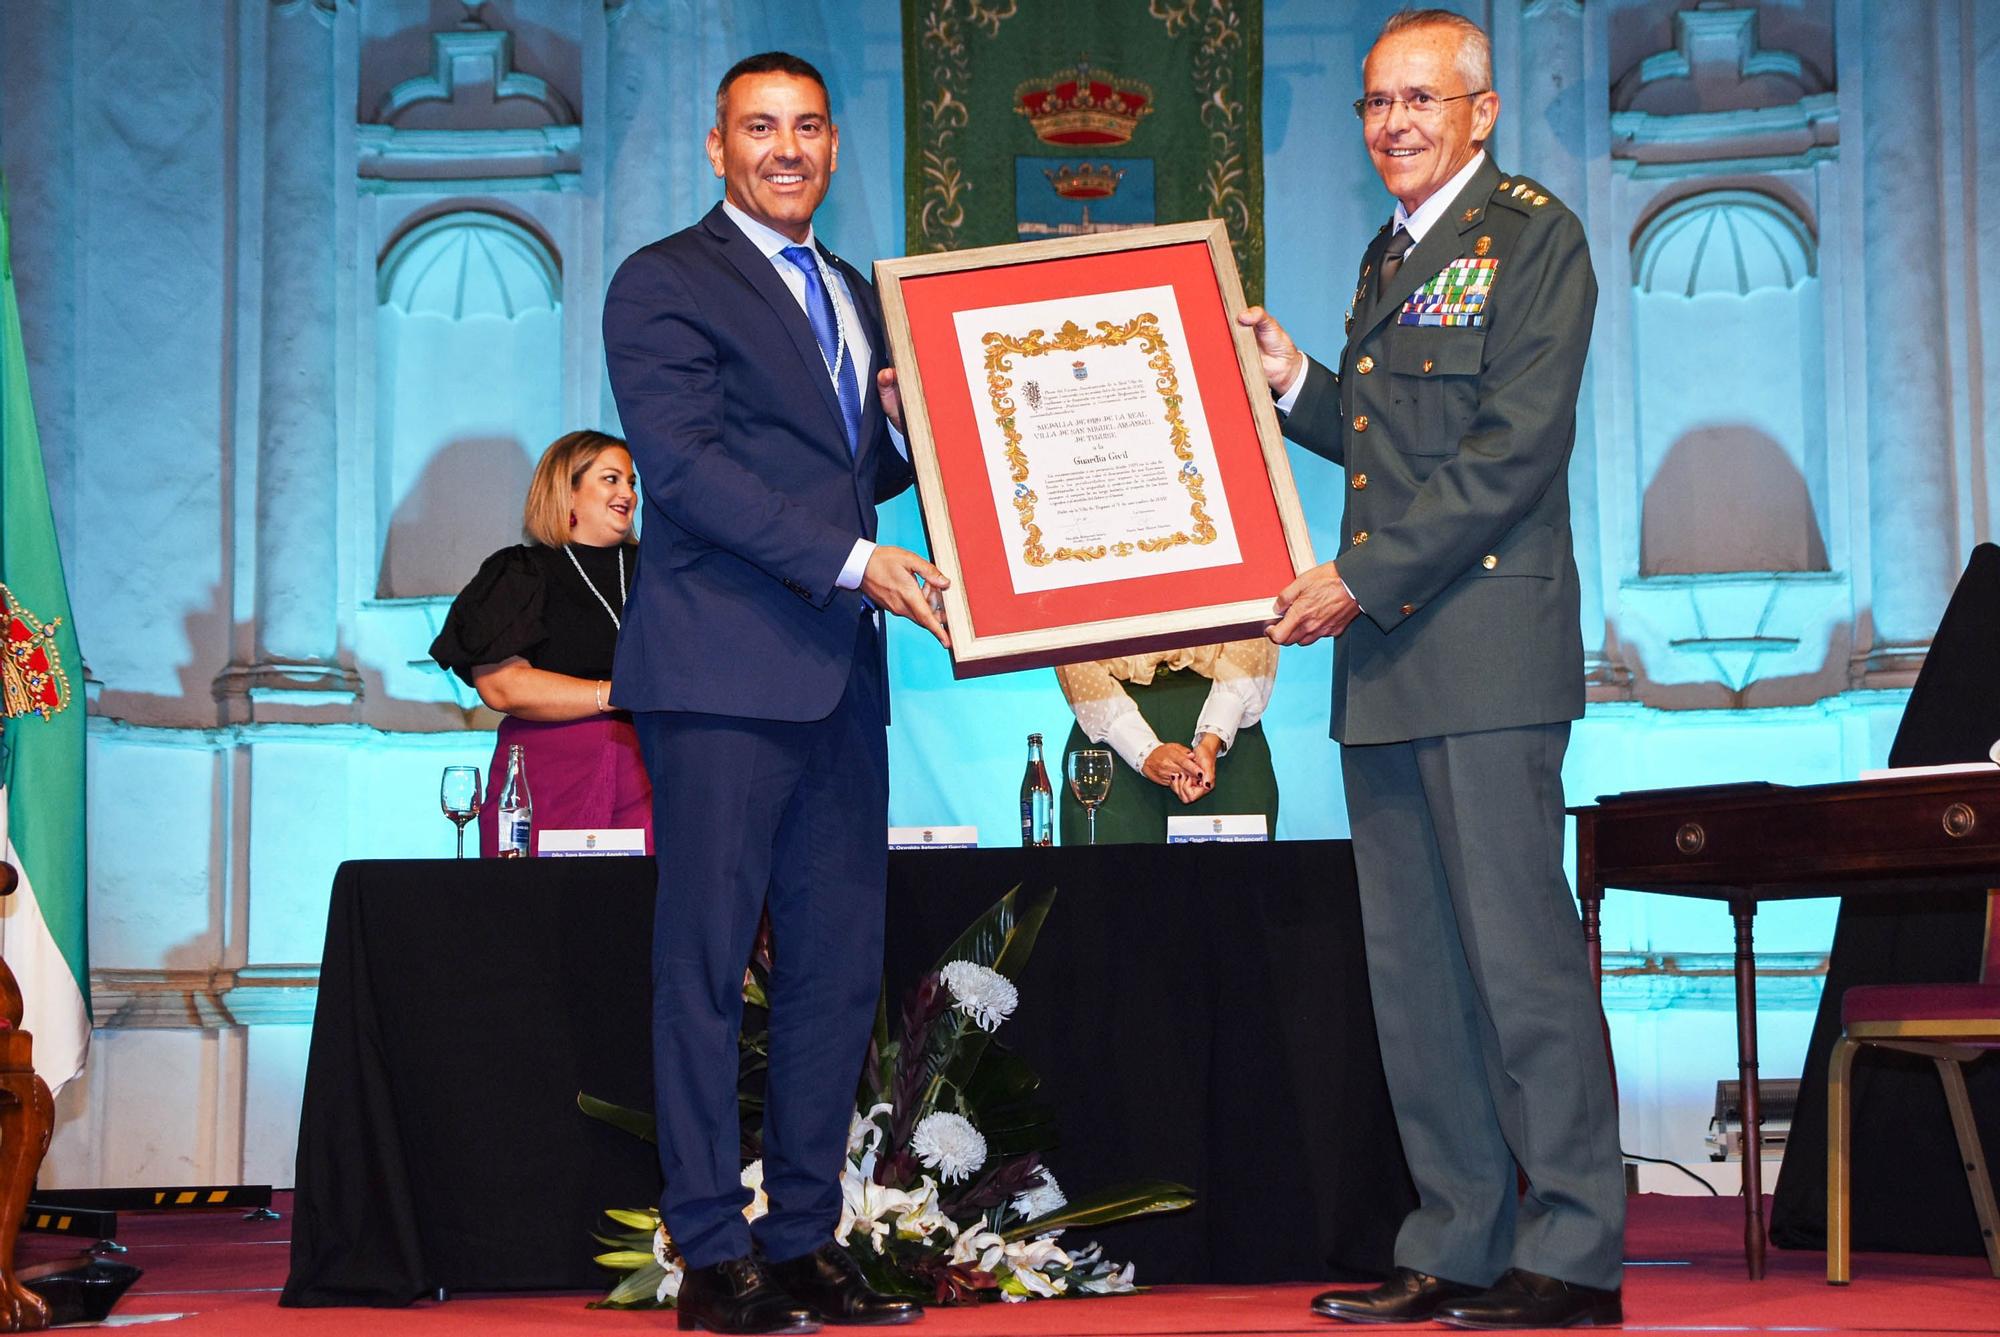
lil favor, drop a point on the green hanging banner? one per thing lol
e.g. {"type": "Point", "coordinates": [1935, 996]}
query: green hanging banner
{"type": "Point", "coordinates": [1031, 119]}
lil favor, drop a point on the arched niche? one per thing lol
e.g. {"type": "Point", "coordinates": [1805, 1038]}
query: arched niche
{"type": "Point", "coordinates": [1730, 388]}
{"type": "Point", "coordinates": [468, 379]}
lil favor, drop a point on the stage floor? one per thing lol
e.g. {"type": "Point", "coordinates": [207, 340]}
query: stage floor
{"type": "Point", "coordinates": [214, 1273]}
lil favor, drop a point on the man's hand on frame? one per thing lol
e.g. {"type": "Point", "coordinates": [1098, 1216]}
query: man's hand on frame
{"type": "Point", "coordinates": [1316, 604]}
{"type": "Point", "coordinates": [900, 582]}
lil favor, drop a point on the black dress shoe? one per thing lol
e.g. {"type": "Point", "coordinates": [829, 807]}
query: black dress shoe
{"type": "Point", "coordinates": [1408, 1296]}
{"type": "Point", "coordinates": [1522, 1299]}
{"type": "Point", "coordinates": [831, 1282]}
{"type": "Point", "coordinates": [739, 1296]}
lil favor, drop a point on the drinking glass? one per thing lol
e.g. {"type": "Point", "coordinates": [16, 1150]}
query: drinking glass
{"type": "Point", "coordinates": [1089, 771]}
{"type": "Point", "coordinates": [458, 795]}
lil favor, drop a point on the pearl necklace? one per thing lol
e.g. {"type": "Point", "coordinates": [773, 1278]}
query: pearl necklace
{"type": "Point", "coordinates": [571, 552]}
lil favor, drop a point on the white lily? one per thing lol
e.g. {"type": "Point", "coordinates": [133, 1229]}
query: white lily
{"type": "Point", "coordinates": [753, 1179]}
{"type": "Point", "coordinates": [670, 1264]}
{"type": "Point", "coordinates": [864, 1135]}
{"type": "Point", "coordinates": [923, 1218]}
{"type": "Point", "coordinates": [974, 1246]}
{"type": "Point", "coordinates": [863, 1205]}
{"type": "Point", "coordinates": [1028, 1262]}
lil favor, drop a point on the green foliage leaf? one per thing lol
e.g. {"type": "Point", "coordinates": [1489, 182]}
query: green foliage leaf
{"type": "Point", "coordinates": [989, 937]}
{"type": "Point", "coordinates": [1002, 1095]}
{"type": "Point", "coordinates": [639, 1123]}
{"type": "Point", "coordinates": [1011, 949]}
{"type": "Point", "coordinates": [637, 1290]}
{"type": "Point", "coordinates": [624, 1260]}
{"type": "Point", "coordinates": [624, 1216]}
{"type": "Point", "coordinates": [1147, 1197]}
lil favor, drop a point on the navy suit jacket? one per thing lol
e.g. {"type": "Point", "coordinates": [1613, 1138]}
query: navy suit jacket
{"type": "Point", "coordinates": [752, 501]}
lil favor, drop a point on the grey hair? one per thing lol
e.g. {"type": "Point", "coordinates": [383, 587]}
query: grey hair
{"type": "Point", "coordinates": [1474, 60]}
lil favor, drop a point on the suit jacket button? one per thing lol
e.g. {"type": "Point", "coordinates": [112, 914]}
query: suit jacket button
{"type": "Point", "coordinates": [1360, 422]}
{"type": "Point", "coordinates": [1360, 537]}
{"type": "Point", "coordinates": [1489, 561]}
{"type": "Point", "coordinates": [1365, 365]}
{"type": "Point", "coordinates": [1358, 482]}
{"type": "Point", "coordinates": [1409, 609]}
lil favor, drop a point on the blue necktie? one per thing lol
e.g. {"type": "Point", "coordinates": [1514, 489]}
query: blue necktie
{"type": "Point", "coordinates": [826, 329]}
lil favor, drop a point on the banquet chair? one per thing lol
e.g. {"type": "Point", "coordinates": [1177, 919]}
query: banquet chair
{"type": "Point", "coordinates": [1950, 1024]}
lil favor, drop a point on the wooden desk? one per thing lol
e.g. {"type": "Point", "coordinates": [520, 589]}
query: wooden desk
{"type": "Point", "coordinates": [1744, 844]}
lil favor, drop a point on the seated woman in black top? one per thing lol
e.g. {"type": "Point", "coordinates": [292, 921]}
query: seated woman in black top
{"type": "Point", "coordinates": [534, 634]}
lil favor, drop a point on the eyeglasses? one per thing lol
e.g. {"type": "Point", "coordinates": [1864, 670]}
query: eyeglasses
{"type": "Point", "coordinates": [1423, 106]}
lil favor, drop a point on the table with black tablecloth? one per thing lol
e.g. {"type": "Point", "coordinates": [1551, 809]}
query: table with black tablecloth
{"type": "Point", "coordinates": [1197, 1013]}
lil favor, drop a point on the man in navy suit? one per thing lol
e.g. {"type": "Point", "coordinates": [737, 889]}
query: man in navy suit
{"type": "Point", "coordinates": [744, 357]}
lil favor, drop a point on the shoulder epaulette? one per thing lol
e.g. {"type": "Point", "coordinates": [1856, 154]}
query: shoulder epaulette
{"type": "Point", "coordinates": [1518, 192]}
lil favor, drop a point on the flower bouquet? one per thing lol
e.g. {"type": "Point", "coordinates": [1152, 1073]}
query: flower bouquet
{"type": "Point", "coordinates": [945, 1196]}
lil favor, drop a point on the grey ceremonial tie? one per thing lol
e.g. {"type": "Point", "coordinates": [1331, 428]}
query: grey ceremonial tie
{"type": "Point", "coordinates": [1392, 259]}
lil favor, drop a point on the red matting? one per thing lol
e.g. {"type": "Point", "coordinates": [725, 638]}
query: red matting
{"type": "Point", "coordinates": [932, 301]}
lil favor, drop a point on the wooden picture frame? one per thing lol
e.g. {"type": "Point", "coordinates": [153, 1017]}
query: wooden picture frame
{"type": "Point", "coordinates": [998, 621]}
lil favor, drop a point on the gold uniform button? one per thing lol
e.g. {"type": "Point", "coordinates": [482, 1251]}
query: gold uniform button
{"type": "Point", "coordinates": [1409, 609]}
{"type": "Point", "coordinates": [1365, 365]}
{"type": "Point", "coordinates": [1360, 537]}
{"type": "Point", "coordinates": [1360, 422]}
{"type": "Point", "coordinates": [1489, 561]}
{"type": "Point", "coordinates": [1358, 482]}
{"type": "Point", "coordinates": [1428, 364]}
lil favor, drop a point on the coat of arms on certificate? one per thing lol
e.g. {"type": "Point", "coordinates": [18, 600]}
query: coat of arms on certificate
{"type": "Point", "coordinates": [1107, 468]}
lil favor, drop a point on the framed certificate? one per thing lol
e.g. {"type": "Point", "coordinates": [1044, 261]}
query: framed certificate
{"type": "Point", "coordinates": [1097, 456]}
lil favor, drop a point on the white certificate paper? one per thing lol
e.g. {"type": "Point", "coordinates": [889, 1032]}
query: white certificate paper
{"type": "Point", "coordinates": [1096, 444]}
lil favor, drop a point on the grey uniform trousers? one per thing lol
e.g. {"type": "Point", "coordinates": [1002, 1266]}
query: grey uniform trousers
{"type": "Point", "coordinates": [1489, 1026]}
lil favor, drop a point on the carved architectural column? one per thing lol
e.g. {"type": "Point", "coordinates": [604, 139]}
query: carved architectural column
{"type": "Point", "coordinates": [293, 665]}
{"type": "Point", "coordinates": [664, 59]}
{"type": "Point", "coordinates": [1913, 537]}
{"type": "Point", "coordinates": [1551, 67]}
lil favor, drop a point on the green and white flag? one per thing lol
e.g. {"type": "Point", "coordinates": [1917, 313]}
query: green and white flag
{"type": "Point", "coordinates": [43, 926]}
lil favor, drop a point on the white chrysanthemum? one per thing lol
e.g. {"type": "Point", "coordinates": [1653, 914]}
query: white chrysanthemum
{"type": "Point", "coordinates": [949, 1144]}
{"type": "Point", "coordinates": [982, 993]}
{"type": "Point", "coordinates": [1045, 1197]}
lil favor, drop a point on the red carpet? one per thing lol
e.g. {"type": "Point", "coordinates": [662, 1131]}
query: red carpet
{"type": "Point", "coordinates": [214, 1273]}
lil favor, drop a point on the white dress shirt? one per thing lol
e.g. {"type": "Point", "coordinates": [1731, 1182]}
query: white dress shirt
{"type": "Point", "coordinates": [853, 333]}
{"type": "Point", "coordinates": [1418, 224]}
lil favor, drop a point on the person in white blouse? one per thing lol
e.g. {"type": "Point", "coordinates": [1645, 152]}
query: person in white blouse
{"type": "Point", "coordinates": [1184, 725]}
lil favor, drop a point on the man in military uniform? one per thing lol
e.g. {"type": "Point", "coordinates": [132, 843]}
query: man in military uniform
{"type": "Point", "coordinates": [1460, 666]}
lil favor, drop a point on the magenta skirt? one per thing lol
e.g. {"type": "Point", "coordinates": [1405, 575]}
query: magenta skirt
{"type": "Point", "coordinates": [581, 774]}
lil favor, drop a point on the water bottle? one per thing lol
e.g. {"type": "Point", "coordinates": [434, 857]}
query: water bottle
{"type": "Point", "coordinates": [1038, 802]}
{"type": "Point", "coordinates": [517, 808]}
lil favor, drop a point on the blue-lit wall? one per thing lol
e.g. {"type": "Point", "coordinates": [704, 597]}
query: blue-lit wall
{"type": "Point", "coordinates": [276, 440]}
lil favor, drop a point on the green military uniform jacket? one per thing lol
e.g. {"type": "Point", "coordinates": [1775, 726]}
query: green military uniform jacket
{"type": "Point", "coordinates": [1456, 439]}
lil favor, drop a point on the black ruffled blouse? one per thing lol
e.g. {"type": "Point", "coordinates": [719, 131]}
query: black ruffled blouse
{"type": "Point", "coordinates": [529, 601]}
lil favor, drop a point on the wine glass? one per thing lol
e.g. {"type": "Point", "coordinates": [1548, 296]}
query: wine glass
{"type": "Point", "coordinates": [458, 795]}
{"type": "Point", "coordinates": [1089, 771]}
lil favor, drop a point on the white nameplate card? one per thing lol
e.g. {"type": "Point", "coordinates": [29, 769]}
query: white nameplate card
{"type": "Point", "coordinates": [933, 837]}
{"type": "Point", "coordinates": [554, 844]}
{"type": "Point", "coordinates": [1227, 826]}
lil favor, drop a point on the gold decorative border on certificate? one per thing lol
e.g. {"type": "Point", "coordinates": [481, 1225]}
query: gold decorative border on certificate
{"type": "Point", "coordinates": [1001, 349]}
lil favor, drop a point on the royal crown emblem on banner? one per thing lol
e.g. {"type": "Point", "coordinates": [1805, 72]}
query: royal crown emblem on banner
{"type": "Point", "coordinates": [1084, 105]}
{"type": "Point", "coordinates": [1085, 181]}
{"type": "Point", "coordinates": [32, 681]}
